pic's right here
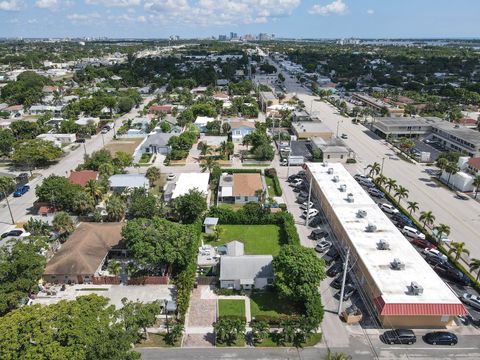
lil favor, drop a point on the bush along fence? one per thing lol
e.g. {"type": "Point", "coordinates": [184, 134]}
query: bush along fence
{"type": "Point", "coordinates": [431, 238]}
{"type": "Point", "coordinates": [272, 174]}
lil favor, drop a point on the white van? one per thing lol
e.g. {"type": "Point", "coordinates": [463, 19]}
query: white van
{"type": "Point", "coordinates": [413, 233]}
{"type": "Point", "coordinates": [389, 209]}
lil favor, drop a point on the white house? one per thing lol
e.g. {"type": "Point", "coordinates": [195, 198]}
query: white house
{"type": "Point", "coordinates": [185, 183]}
{"type": "Point", "coordinates": [246, 271]}
{"type": "Point", "coordinates": [240, 129]}
{"type": "Point", "coordinates": [120, 182]}
{"type": "Point", "coordinates": [463, 180]}
{"type": "Point", "coordinates": [201, 123]}
{"type": "Point", "coordinates": [58, 139]}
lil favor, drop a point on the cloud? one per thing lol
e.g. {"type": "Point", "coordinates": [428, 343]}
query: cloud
{"type": "Point", "coordinates": [218, 12]}
{"type": "Point", "coordinates": [337, 7]}
{"type": "Point", "coordinates": [114, 3]}
{"type": "Point", "coordinates": [126, 18]}
{"type": "Point", "coordinates": [370, 11]}
{"type": "Point", "coordinates": [83, 18]}
{"type": "Point", "coordinates": [11, 5]}
{"type": "Point", "coordinates": [47, 4]}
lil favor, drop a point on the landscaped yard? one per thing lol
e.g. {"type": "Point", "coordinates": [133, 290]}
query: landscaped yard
{"type": "Point", "coordinates": [269, 341]}
{"type": "Point", "coordinates": [258, 239]}
{"type": "Point", "coordinates": [231, 307]}
{"type": "Point", "coordinates": [155, 340]}
{"type": "Point", "coordinates": [126, 145]}
{"type": "Point", "coordinates": [268, 303]}
{"type": "Point", "coordinates": [271, 189]}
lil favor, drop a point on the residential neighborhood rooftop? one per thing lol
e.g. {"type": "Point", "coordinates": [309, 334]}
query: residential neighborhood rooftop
{"type": "Point", "coordinates": [190, 181]}
{"type": "Point", "coordinates": [246, 267]}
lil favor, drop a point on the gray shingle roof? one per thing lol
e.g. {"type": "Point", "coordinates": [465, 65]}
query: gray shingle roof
{"type": "Point", "coordinates": [246, 267]}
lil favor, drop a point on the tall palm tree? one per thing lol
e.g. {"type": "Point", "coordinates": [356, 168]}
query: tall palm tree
{"type": "Point", "coordinates": [153, 174]}
{"type": "Point", "coordinates": [6, 185]}
{"type": "Point", "coordinates": [95, 189]}
{"type": "Point", "coordinates": [115, 208]}
{"type": "Point", "coordinates": [441, 230]}
{"type": "Point", "coordinates": [427, 217]}
{"type": "Point", "coordinates": [451, 169]}
{"type": "Point", "coordinates": [442, 163]}
{"type": "Point", "coordinates": [412, 206]}
{"type": "Point", "coordinates": [476, 183]}
{"type": "Point", "coordinates": [208, 164]}
{"type": "Point", "coordinates": [114, 267]}
{"type": "Point", "coordinates": [204, 148]}
{"type": "Point", "coordinates": [106, 170]}
{"type": "Point", "coordinates": [401, 193]}
{"type": "Point", "coordinates": [63, 223]}
{"type": "Point", "coordinates": [475, 266]}
{"type": "Point", "coordinates": [391, 184]}
{"type": "Point", "coordinates": [374, 169]}
{"type": "Point", "coordinates": [380, 180]}
{"type": "Point", "coordinates": [458, 248]}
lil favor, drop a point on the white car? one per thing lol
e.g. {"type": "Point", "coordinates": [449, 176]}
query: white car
{"type": "Point", "coordinates": [389, 209]}
{"type": "Point", "coordinates": [412, 233]}
{"type": "Point", "coordinates": [322, 246]}
{"type": "Point", "coordinates": [434, 253]}
{"type": "Point", "coordinates": [306, 205]}
{"type": "Point", "coordinates": [311, 213]}
{"type": "Point", "coordinates": [472, 300]}
{"type": "Point", "coordinates": [171, 177]}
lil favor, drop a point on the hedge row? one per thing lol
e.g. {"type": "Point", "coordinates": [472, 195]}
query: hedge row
{"type": "Point", "coordinates": [275, 320]}
{"type": "Point", "coordinates": [233, 317]}
{"type": "Point", "coordinates": [272, 173]}
{"type": "Point", "coordinates": [242, 171]}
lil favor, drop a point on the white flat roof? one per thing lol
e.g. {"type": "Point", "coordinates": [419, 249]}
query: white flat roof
{"type": "Point", "coordinates": [393, 284]}
{"type": "Point", "coordinates": [203, 120]}
{"type": "Point", "coordinates": [190, 181]}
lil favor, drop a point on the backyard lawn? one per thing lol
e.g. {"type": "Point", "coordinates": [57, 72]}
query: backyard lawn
{"type": "Point", "coordinates": [258, 239]}
{"type": "Point", "coordinates": [231, 307]}
{"type": "Point", "coordinates": [271, 189]}
{"type": "Point", "coordinates": [268, 303]}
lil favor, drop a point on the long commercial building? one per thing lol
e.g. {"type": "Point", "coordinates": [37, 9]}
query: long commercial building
{"type": "Point", "coordinates": [400, 286]}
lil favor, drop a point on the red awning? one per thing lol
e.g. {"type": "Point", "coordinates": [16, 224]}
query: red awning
{"type": "Point", "coordinates": [419, 309]}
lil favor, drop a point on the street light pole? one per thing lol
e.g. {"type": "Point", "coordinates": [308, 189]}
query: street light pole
{"type": "Point", "coordinates": [381, 170]}
{"type": "Point", "coordinates": [308, 202]}
{"type": "Point", "coordinates": [8, 205]}
{"type": "Point", "coordinates": [84, 149]}
{"type": "Point", "coordinates": [344, 278]}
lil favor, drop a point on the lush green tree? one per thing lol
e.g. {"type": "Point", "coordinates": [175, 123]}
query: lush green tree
{"type": "Point", "coordinates": [58, 191]}
{"type": "Point", "coordinates": [442, 230]}
{"type": "Point", "coordinates": [401, 193]}
{"type": "Point", "coordinates": [26, 90]}
{"type": "Point", "coordinates": [391, 184]}
{"type": "Point", "coordinates": [35, 152]}
{"type": "Point", "coordinates": [476, 183]}
{"type": "Point", "coordinates": [63, 224]}
{"type": "Point", "coordinates": [260, 330]}
{"type": "Point", "coordinates": [153, 174]}
{"type": "Point", "coordinates": [115, 208]}
{"type": "Point", "coordinates": [7, 140]}
{"type": "Point", "coordinates": [123, 159]}
{"type": "Point", "coordinates": [125, 104]}
{"type": "Point", "coordinates": [208, 163]}
{"type": "Point", "coordinates": [20, 269]}
{"type": "Point", "coordinates": [165, 127]}
{"type": "Point", "coordinates": [475, 266]}
{"type": "Point", "coordinates": [442, 163]}
{"type": "Point", "coordinates": [412, 206]}
{"type": "Point", "coordinates": [427, 218]}
{"type": "Point", "coordinates": [458, 248]}
{"type": "Point", "coordinates": [264, 152]}
{"type": "Point", "coordinates": [136, 315]}
{"type": "Point", "coordinates": [201, 109]}
{"type": "Point", "coordinates": [83, 203]}
{"type": "Point", "coordinates": [226, 128]}
{"type": "Point", "coordinates": [374, 169]}
{"type": "Point", "coordinates": [37, 227]}
{"type": "Point", "coordinates": [174, 334]}
{"type": "Point", "coordinates": [214, 127]}
{"type": "Point", "coordinates": [228, 330]}
{"type": "Point", "coordinates": [451, 169]}
{"type": "Point", "coordinates": [114, 267]}
{"type": "Point", "coordinates": [95, 189]}
{"type": "Point", "coordinates": [190, 207]}
{"type": "Point", "coordinates": [143, 204]}
{"type": "Point", "coordinates": [95, 160]}
{"type": "Point", "coordinates": [106, 170]}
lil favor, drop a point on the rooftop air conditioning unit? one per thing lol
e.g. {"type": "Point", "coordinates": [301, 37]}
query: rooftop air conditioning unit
{"type": "Point", "coordinates": [361, 214]}
{"type": "Point", "coordinates": [371, 228]}
{"type": "Point", "coordinates": [350, 198]}
{"type": "Point", "coordinates": [343, 188]}
{"type": "Point", "coordinates": [383, 245]}
{"type": "Point", "coordinates": [336, 178]}
{"type": "Point", "coordinates": [396, 264]}
{"type": "Point", "coordinates": [415, 288]}
{"type": "Point", "coordinates": [330, 170]}
{"type": "Point", "coordinates": [325, 164]}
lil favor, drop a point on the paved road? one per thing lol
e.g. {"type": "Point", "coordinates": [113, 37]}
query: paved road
{"type": "Point", "coordinates": [22, 206]}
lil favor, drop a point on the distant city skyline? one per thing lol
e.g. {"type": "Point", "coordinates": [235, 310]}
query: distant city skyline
{"type": "Point", "coordinates": [206, 18]}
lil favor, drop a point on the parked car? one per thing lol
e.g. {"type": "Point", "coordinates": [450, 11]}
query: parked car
{"type": "Point", "coordinates": [440, 338]}
{"type": "Point", "coordinates": [306, 205]}
{"type": "Point", "coordinates": [105, 130]}
{"type": "Point", "coordinates": [11, 233]}
{"type": "Point", "coordinates": [337, 282]}
{"type": "Point", "coordinates": [323, 246]}
{"type": "Point", "coordinates": [366, 182]}
{"type": "Point", "coordinates": [422, 243]}
{"type": "Point", "coordinates": [317, 234]}
{"type": "Point", "coordinates": [335, 269]}
{"type": "Point", "coordinates": [451, 273]}
{"type": "Point", "coordinates": [22, 178]}
{"type": "Point", "coordinates": [344, 136]}
{"type": "Point", "coordinates": [296, 182]}
{"type": "Point", "coordinates": [21, 190]}
{"type": "Point", "coordinates": [331, 256]}
{"type": "Point", "coordinates": [413, 233]}
{"type": "Point", "coordinates": [80, 140]}
{"type": "Point", "coordinates": [347, 292]}
{"type": "Point", "coordinates": [472, 300]}
{"type": "Point", "coordinates": [399, 336]}
{"type": "Point", "coordinates": [301, 198]}
{"type": "Point", "coordinates": [389, 209]}
{"type": "Point", "coordinates": [360, 176]}
{"type": "Point", "coordinates": [402, 220]}
{"type": "Point", "coordinates": [171, 177]}
{"type": "Point", "coordinates": [310, 213]}
{"type": "Point", "coordinates": [315, 221]}
{"type": "Point", "coordinates": [434, 253]}
{"type": "Point", "coordinates": [376, 193]}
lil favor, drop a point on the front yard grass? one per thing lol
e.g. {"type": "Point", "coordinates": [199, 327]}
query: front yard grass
{"type": "Point", "coordinates": [270, 304]}
{"type": "Point", "coordinates": [231, 307]}
{"type": "Point", "coordinates": [258, 239]}
{"type": "Point", "coordinates": [239, 343]}
{"type": "Point", "coordinates": [126, 145]}
{"type": "Point", "coordinates": [156, 340]}
{"type": "Point", "coordinates": [271, 188]}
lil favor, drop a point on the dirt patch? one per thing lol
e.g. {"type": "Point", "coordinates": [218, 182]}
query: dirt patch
{"type": "Point", "coordinates": [126, 145]}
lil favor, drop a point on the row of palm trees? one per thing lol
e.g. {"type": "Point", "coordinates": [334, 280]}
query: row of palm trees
{"type": "Point", "coordinates": [457, 249]}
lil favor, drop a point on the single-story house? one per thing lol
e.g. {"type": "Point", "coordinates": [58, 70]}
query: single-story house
{"type": "Point", "coordinates": [333, 150]}
{"type": "Point", "coordinates": [210, 224]}
{"type": "Point", "coordinates": [83, 121]}
{"type": "Point", "coordinates": [185, 183]}
{"type": "Point", "coordinates": [120, 182]}
{"type": "Point", "coordinates": [239, 188]}
{"type": "Point", "coordinates": [240, 129]}
{"type": "Point", "coordinates": [14, 111]}
{"type": "Point", "coordinates": [42, 109]}
{"type": "Point", "coordinates": [156, 143]}
{"type": "Point", "coordinates": [58, 139]}
{"type": "Point", "coordinates": [50, 89]}
{"type": "Point", "coordinates": [201, 123]}
{"type": "Point", "coordinates": [309, 129]}
{"type": "Point", "coordinates": [246, 271]}
{"type": "Point", "coordinates": [82, 177]}
{"type": "Point", "coordinates": [155, 109]}
{"type": "Point", "coordinates": [221, 96]}
{"type": "Point", "coordinates": [81, 257]}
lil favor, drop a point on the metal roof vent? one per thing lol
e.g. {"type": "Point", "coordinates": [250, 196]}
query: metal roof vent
{"type": "Point", "coordinates": [361, 214]}
{"type": "Point", "coordinates": [336, 178]}
{"type": "Point", "coordinates": [350, 198]}
{"type": "Point", "coordinates": [325, 164]}
{"type": "Point", "coordinates": [330, 170]}
{"type": "Point", "coordinates": [371, 228]}
{"type": "Point", "coordinates": [415, 288]}
{"type": "Point", "coordinates": [343, 188]}
{"type": "Point", "coordinates": [396, 264]}
{"type": "Point", "coordinates": [383, 245]}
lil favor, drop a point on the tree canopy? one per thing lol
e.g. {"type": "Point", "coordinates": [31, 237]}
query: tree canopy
{"type": "Point", "coordinates": [189, 207]}
{"type": "Point", "coordinates": [35, 152]}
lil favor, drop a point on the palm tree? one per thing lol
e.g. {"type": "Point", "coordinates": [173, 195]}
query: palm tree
{"type": "Point", "coordinates": [247, 141]}
{"type": "Point", "coordinates": [427, 217]}
{"type": "Point", "coordinates": [226, 148]}
{"type": "Point", "coordinates": [114, 267]}
{"type": "Point", "coordinates": [442, 163]}
{"type": "Point", "coordinates": [441, 230]}
{"type": "Point", "coordinates": [476, 183]}
{"type": "Point", "coordinates": [106, 170]}
{"type": "Point", "coordinates": [337, 356]}
{"type": "Point", "coordinates": [380, 180]}
{"type": "Point", "coordinates": [63, 224]}
{"type": "Point", "coordinates": [209, 164]}
{"type": "Point", "coordinates": [115, 208]}
{"type": "Point", "coordinates": [451, 169]}
{"type": "Point", "coordinates": [475, 266]}
{"type": "Point", "coordinates": [83, 202]}
{"type": "Point", "coordinates": [153, 174]}
{"type": "Point", "coordinates": [6, 185]}
{"type": "Point", "coordinates": [95, 189]}
{"type": "Point", "coordinates": [204, 148]}
{"type": "Point", "coordinates": [412, 206]}
{"type": "Point", "coordinates": [374, 169]}
{"type": "Point", "coordinates": [458, 248]}
{"type": "Point", "coordinates": [226, 128]}
{"type": "Point", "coordinates": [401, 193]}
{"type": "Point", "coordinates": [391, 184]}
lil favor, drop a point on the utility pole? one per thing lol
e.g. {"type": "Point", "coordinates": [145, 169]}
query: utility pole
{"type": "Point", "coordinates": [344, 278]}
{"type": "Point", "coordinates": [103, 140]}
{"type": "Point", "coordinates": [8, 205]}
{"type": "Point", "coordinates": [381, 170]}
{"type": "Point", "coordinates": [308, 202]}
{"type": "Point", "coordinates": [84, 149]}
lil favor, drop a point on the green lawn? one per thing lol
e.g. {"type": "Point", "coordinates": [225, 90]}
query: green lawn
{"type": "Point", "coordinates": [271, 189]}
{"type": "Point", "coordinates": [268, 303]}
{"type": "Point", "coordinates": [258, 239]}
{"type": "Point", "coordinates": [231, 307]}
{"type": "Point", "coordinates": [156, 340]}
{"type": "Point", "coordinates": [239, 343]}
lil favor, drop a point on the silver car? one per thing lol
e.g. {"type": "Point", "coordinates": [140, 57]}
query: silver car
{"type": "Point", "coordinates": [472, 300]}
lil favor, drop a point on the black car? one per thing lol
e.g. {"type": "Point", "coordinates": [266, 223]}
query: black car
{"type": "Point", "coordinates": [331, 256]}
{"type": "Point", "coordinates": [318, 234]}
{"type": "Point", "coordinates": [80, 140]}
{"type": "Point", "coordinates": [441, 338]}
{"type": "Point", "coordinates": [347, 292]}
{"type": "Point", "coordinates": [451, 273]}
{"type": "Point", "coordinates": [399, 336]}
{"type": "Point", "coordinates": [315, 221]}
{"type": "Point", "coordinates": [12, 233]}
{"type": "Point", "coordinates": [335, 269]}
{"type": "Point", "coordinates": [337, 283]}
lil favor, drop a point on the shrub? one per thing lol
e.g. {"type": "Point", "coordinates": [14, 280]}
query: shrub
{"type": "Point", "coordinates": [228, 292]}
{"type": "Point", "coordinates": [277, 319]}
{"type": "Point", "coordinates": [351, 161]}
{"type": "Point", "coordinates": [272, 173]}
{"type": "Point", "coordinates": [233, 317]}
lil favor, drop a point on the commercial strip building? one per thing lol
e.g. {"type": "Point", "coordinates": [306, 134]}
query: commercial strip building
{"type": "Point", "coordinates": [399, 285]}
{"type": "Point", "coordinates": [309, 129]}
{"type": "Point", "coordinates": [377, 104]}
{"type": "Point", "coordinates": [410, 127]}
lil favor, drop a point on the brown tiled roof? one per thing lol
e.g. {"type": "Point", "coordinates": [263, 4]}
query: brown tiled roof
{"type": "Point", "coordinates": [221, 95]}
{"type": "Point", "coordinates": [82, 177]}
{"type": "Point", "coordinates": [85, 249]}
{"type": "Point", "coordinates": [13, 108]}
{"type": "Point", "coordinates": [48, 88]}
{"type": "Point", "coordinates": [474, 162]}
{"type": "Point", "coordinates": [236, 124]}
{"type": "Point", "coordinates": [246, 184]}
{"type": "Point", "coordinates": [154, 108]}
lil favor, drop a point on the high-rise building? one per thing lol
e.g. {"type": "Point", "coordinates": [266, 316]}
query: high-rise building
{"type": "Point", "coordinates": [222, 37]}
{"type": "Point", "coordinates": [233, 35]}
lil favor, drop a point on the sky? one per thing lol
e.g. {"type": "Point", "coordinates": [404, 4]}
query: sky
{"type": "Point", "coordinates": [205, 18]}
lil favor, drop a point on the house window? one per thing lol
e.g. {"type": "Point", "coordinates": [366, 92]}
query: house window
{"type": "Point", "coordinates": [328, 156]}
{"type": "Point", "coordinates": [246, 198]}
{"type": "Point", "coordinates": [341, 156]}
